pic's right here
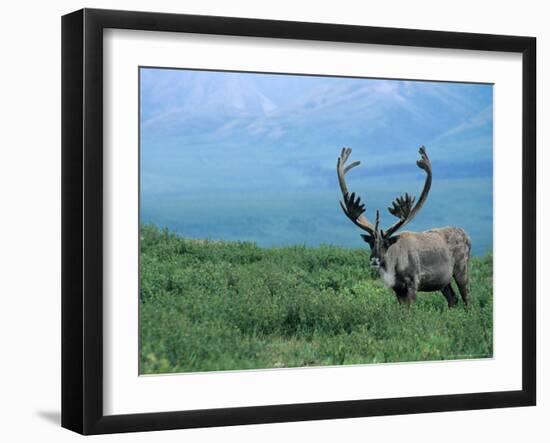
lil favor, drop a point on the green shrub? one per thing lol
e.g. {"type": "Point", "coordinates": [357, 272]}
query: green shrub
{"type": "Point", "coordinates": [209, 305]}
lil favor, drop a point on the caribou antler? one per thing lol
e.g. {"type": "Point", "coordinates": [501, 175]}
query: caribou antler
{"type": "Point", "coordinates": [352, 206]}
{"type": "Point", "coordinates": [402, 207]}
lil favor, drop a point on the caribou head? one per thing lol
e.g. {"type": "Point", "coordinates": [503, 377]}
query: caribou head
{"type": "Point", "coordinates": [410, 261]}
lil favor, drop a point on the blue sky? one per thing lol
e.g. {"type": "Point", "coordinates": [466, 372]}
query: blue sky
{"type": "Point", "coordinates": [243, 156]}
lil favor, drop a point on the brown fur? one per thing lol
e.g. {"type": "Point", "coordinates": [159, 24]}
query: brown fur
{"type": "Point", "coordinates": [428, 261]}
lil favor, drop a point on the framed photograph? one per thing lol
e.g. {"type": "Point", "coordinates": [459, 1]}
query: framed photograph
{"type": "Point", "coordinates": [268, 221]}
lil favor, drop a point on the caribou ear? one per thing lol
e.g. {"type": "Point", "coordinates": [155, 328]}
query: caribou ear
{"type": "Point", "coordinates": [392, 239]}
{"type": "Point", "coordinates": [368, 238]}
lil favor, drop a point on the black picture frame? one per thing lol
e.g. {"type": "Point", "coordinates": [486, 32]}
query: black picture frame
{"type": "Point", "coordinates": [82, 217]}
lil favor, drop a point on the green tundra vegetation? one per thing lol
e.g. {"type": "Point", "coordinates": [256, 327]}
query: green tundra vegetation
{"type": "Point", "coordinates": [211, 306]}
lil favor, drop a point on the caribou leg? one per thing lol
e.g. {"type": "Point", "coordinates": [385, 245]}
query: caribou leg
{"type": "Point", "coordinates": [405, 295]}
{"type": "Point", "coordinates": [462, 283]}
{"type": "Point", "coordinates": [401, 294]}
{"type": "Point", "coordinates": [411, 295]}
{"type": "Point", "coordinates": [450, 295]}
{"type": "Point", "coordinates": [462, 279]}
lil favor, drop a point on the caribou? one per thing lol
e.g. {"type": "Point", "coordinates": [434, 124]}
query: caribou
{"type": "Point", "coordinates": [409, 262]}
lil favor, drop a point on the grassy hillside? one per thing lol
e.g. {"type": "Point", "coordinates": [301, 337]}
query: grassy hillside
{"type": "Point", "coordinates": [207, 306]}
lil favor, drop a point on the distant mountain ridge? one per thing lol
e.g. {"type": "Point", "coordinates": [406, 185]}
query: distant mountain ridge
{"type": "Point", "coordinates": [384, 115]}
